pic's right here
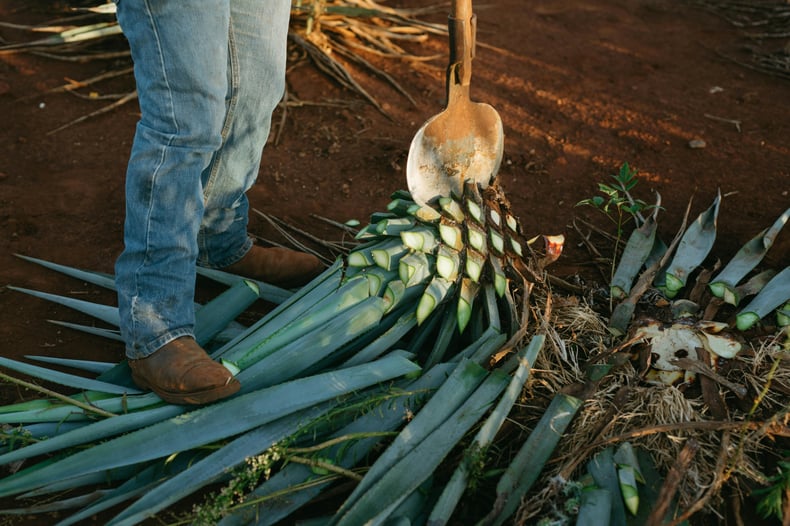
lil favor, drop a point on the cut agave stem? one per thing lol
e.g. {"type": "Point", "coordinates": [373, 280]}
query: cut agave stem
{"type": "Point", "coordinates": [476, 238]}
{"type": "Point", "coordinates": [474, 265]}
{"type": "Point", "coordinates": [466, 298]}
{"type": "Point", "coordinates": [388, 257]}
{"type": "Point", "coordinates": [512, 222]}
{"type": "Point", "coordinates": [448, 263]}
{"type": "Point", "coordinates": [474, 202]}
{"type": "Point", "coordinates": [497, 242]}
{"type": "Point", "coordinates": [394, 226]}
{"type": "Point", "coordinates": [495, 217]}
{"type": "Point", "coordinates": [421, 239]}
{"type": "Point", "coordinates": [693, 248]}
{"type": "Point", "coordinates": [500, 280]}
{"type": "Point", "coordinates": [475, 211]}
{"type": "Point", "coordinates": [723, 285]}
{"type": "Point", "coordinates": [627, 479]}
{"type": "Point", "coordinates": [451, 235]}
{"type": "Point", "coordinates": [515, 246]}
{"type": "Point", "coordinates": [415, 268]}
{"type": "Point", "coordinates": [361, 257]}
{"type": "Point", "coordinates": [437, 290]}
{"type": "Point", "coordinates": [367, 232]}
{"type": "Point", "coordinates": [401, 206]}
{"type": "Point", "coordinates": [452, 209]}
{"type": "Point", "coordinates": [426, 214]}
{"type": "Point", "coordinates": [378, 279]}
{"type": "Point", "coordinates": [625, 455]}
{"type": "Point", "coordinates": [773, 295]}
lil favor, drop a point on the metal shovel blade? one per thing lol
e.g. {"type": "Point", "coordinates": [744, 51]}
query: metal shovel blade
{"type": "Point", "coordinates": [465, 141]}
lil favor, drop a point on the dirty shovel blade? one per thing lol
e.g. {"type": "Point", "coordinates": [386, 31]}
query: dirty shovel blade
{"type": "Point", "coordinates": [464, 142]}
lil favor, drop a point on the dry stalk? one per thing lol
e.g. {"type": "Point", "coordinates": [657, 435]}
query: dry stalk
{"type": "Point", "coordinates": [719, 478]}
{"type": "Point", "coordinates": [670, 486]}
{"type": "Point", "coordinates": [101, 111]}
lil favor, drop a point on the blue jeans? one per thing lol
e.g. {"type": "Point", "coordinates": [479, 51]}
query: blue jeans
{"type": "Point", "coordinates": [209, 75]}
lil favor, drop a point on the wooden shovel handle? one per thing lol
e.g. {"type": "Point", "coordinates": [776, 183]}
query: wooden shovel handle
{"type": "Point", "coordinates": [462, 26]}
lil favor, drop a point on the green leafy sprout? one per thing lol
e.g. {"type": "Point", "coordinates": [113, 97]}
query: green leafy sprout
{"type": "Point", "coordinates": [771, 503]}
{"type": "Point", "coordinates": [619, 205]}
{"type": "Point", "coordinates": [617, 201]}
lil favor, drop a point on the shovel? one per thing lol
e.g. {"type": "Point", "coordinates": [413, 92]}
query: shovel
{"type": "Point", "coordinates": [464, 141]}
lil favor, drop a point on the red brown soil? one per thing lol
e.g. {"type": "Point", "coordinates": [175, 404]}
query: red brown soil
{"type": "Point", "coordinates": [581, 87]}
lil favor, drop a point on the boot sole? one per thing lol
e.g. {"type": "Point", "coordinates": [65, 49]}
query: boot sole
{"type": "Point", "coordinates": [192, 397]}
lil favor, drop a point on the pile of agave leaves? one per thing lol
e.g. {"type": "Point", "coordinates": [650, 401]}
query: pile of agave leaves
{"type": "Point", "coordinates": [431, 376]}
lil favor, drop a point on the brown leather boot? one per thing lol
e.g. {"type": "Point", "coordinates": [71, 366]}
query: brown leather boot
{"type": "Point", "coordinates": [181, 372]}
{"type": "Point", "coordinates": [277, 266]}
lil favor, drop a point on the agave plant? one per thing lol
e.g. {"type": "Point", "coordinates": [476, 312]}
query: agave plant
{"type": "Point", "coordinates": [689, 328]}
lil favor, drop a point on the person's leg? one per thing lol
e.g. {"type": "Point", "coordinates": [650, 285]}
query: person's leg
{"type": "Point", "coordinates": [180, 52]}
{"type": "Point", "coordinates": [256, 81]}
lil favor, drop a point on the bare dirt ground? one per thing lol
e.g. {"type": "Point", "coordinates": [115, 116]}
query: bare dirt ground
{"type": "Point", "coordinates": [581, 87]}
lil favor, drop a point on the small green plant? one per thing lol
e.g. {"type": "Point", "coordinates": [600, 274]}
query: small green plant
{"type": "Point", "coordinates": [619, 205]}
{"type": "Point", "coordinates": [771, 503]}
{"type": "Point", "coordinates": [617, 200]}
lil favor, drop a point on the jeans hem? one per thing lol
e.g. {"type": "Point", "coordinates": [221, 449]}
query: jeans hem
{"type": "Point", "coordinates": [230, 260]}
{"type": "Point", "coordinates": [153, 346]}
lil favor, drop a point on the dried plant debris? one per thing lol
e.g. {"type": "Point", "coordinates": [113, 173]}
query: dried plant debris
{"type": "Point", "coordinates": [763, 25]}
{"type": "Point", "coordinates": [335, 36]}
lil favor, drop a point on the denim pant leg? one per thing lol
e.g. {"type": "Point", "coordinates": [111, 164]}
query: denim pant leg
{"type": "Point", "coordinates": [180, 52]}
{"type": "Point", "coordinates": [258, 38]}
